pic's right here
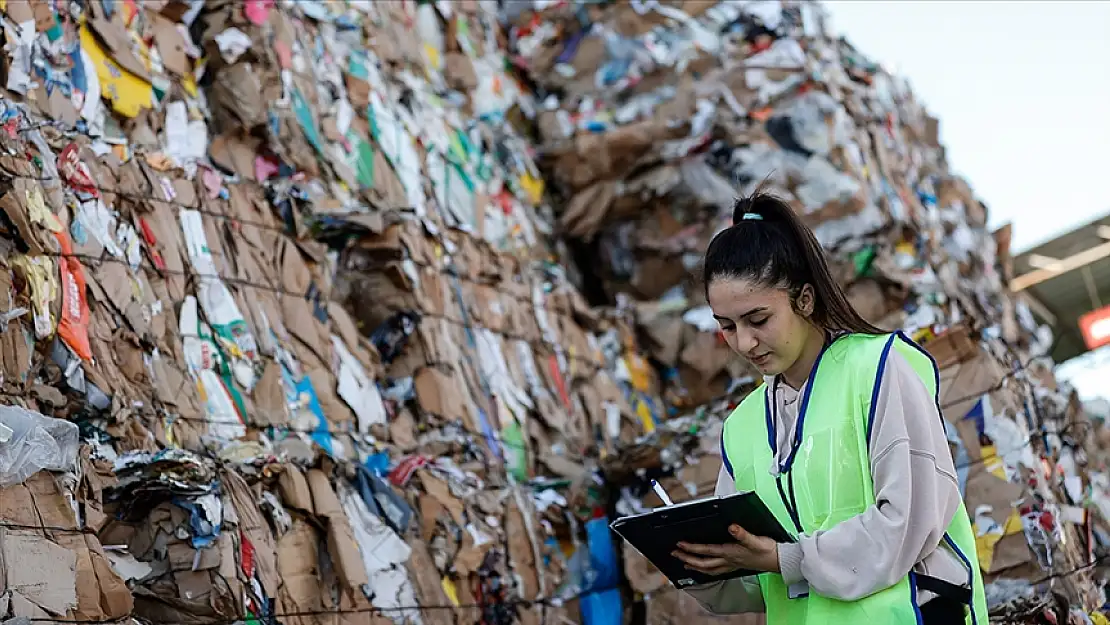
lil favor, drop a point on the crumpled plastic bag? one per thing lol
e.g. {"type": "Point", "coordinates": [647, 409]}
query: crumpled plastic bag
{"type": "Point", "coordinates": [37, 442]}
{"type": "Point", "coordinates": [808, 117]}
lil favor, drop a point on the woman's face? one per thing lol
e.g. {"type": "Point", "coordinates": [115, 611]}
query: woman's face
{"type": "Point", "coordinates": [759, 322]}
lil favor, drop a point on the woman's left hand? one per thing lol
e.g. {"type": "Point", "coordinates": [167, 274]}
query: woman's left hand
{"type": "Point", "coordinates": [757, 553]}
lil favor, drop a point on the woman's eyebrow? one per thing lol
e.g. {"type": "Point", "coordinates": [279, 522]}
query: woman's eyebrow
{"type": "Point", "coordinates": [751, 312]}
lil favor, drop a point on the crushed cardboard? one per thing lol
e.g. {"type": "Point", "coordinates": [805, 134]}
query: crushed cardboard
{"type": "Point", "coordinates": [361, 308]}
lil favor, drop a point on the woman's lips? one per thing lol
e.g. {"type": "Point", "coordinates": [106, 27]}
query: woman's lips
{"type": "Point", "coordinates": [762, 359]}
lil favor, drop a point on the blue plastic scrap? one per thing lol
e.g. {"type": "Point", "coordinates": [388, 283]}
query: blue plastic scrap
{"type": "Point", "coordinates": [382, 500]}
{"type": "Point", "coordinates": [601, 601]}
{"type": "Point", "coordinates": [204, 531]}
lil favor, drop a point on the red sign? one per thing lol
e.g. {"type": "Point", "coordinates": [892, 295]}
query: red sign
{"type": "Point", "coordinates": [1095, 327]}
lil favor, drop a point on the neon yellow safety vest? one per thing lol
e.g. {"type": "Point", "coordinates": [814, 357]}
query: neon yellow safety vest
{"type": "Point", "coordinates": [826, 478]}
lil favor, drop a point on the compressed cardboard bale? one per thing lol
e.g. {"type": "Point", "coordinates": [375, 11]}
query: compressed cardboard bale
{"type": "Point", "coordinates": [342, 547]}
{"type": "Point", "coordinates": [40, 571]}
{"type": "Point", "coordinates": [62, 572]}
{"type": "Point", "coordinates": [254, 527]}
{"type": "Point", "coordinates": [297, 564]}
{"type": "Point", "coordinates": [963, 384]}
{"type": "Point", "coordinates": [317, 126]}
{"type": "Point", "coordinates": [952, 348]}
{"type": "Point", "coordinates": [439, 393]}
{"type": "Point", "coordinates": [429, 587]}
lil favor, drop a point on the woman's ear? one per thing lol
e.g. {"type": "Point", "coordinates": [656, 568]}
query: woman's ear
{"type": "Point", "coordinates": [807, 301]}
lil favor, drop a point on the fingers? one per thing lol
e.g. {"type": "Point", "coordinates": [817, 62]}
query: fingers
{"type": "Point", "coordinates": [749, 551]}
{"type": "Point", "coordinates": [719, 570]}
{"type": "Point", "coordinates": [708, 566]}
{"type": "Point", "coordinates": [703, 550]}
{"type": "Point", "coordinates": [705, 565]}
{"type": "Point", "coordinates": [741, 535]}
{"type": "Point", "coordinates": [751, 542]}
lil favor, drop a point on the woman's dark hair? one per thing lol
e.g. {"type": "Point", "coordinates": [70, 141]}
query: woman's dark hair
{"type": "Point", "coordinates": [769, 245]}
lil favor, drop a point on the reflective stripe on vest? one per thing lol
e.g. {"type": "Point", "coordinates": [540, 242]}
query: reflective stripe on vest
{"type": "Point", "coordinates": [827, 478]}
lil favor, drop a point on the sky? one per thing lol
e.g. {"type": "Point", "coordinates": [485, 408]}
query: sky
{"type": "Point", "coordinates": [1021, 89]}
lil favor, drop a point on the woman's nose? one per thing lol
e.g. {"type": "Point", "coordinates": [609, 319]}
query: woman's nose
{"type": "Point", "coordinates": [745, 342]}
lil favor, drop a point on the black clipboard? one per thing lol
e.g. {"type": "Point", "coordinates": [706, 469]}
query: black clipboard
{"type": "Point", "coordinates": [656, 534]}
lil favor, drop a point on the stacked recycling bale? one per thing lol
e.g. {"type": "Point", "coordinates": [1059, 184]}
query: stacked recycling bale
{"type": "Point", "coordinates": [655, 115]}
{"type": "Point", "coordinates": [179, 327]}
{"type": "Point", "coordinates": [287, 315]}
{"type": "Point", "coordinates": [182, 300]}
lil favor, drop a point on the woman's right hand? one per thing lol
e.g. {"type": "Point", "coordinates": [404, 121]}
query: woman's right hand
{"type": "Point", "coordinates": [757, 553]}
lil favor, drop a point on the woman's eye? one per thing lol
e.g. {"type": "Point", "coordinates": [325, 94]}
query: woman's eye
{"type": "Point", "coordinates": [728, 327]}
{"type": "Point", "coordinates": [758, 322]}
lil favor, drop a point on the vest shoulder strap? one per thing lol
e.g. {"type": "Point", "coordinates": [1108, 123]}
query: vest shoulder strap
{"type": "Point", "coordinates": [878, 350]}
{"type": "Point", "coordinates": [921, 361]}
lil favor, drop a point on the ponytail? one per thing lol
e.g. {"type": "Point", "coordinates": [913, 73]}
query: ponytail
{"type": "Point", "coordinates": [769, 245]}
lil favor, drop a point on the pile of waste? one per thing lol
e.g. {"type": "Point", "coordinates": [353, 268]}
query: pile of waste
{"type": "Point", "coordinates": [339, 312]}
{"type": "Point", "coordinates": [653, 116]}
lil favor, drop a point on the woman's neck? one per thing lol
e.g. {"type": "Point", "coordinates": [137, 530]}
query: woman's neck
{"type": "Point", "coordinates": [797, 374]}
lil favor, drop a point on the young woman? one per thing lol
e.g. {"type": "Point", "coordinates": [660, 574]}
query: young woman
{"type": "Point", "coordinates": [844, 443]}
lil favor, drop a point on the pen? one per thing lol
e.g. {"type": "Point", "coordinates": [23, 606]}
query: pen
{"type": "Point", "coordinates": [662, 493]}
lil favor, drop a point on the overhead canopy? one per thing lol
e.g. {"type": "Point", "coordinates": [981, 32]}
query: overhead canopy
{"type": "Point", "coordinates": [1065, 278]}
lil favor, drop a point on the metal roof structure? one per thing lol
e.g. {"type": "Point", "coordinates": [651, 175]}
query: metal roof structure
{"type": "Point", "coordinates": [1065, 278]}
